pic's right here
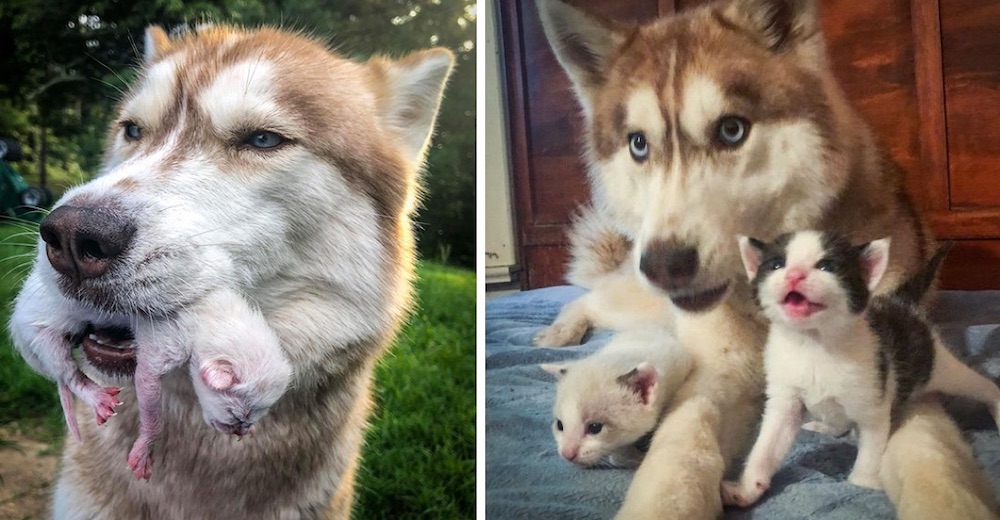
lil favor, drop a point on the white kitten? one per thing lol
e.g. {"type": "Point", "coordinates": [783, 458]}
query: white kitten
{"type": "Point", "coordinates": [852, 360]}
{"type": "Point", "coordinates": [608, 404]}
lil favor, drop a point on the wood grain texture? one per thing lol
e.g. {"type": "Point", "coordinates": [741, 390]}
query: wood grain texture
{"type": "Point", "coordinates": [924, 73]}
{"type": "Point", "coordinates": [929, 185]}
{"type": "Point", "coordinates": [547, 131]}
{"type": "Point", "coordinates": [970, 45]}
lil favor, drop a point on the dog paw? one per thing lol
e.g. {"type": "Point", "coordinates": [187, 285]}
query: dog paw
{"type": "Point", "coordinates": [559, 335]}
{"type": "Point", "coordinates": [105, 403]}
{"type": "Point", "coordinates": [824, 428]}
{"type": "Point", "coordinates": [140, 461]}
{"type": "Point", "coordinates": [741, 495]}
{"type": "Point", "coordinates": [865, 480]}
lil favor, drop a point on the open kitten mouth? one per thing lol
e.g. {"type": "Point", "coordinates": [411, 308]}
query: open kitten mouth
{"type": "Point", "coordinates": [109, 349]}
{"type": "Point", "coordinates": [796, 305]}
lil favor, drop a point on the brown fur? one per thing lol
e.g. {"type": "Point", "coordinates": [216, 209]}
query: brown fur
{"type": "Point", "coordinates": [768, 59]}
{"type": "Point", "coordinates": [302, 461]}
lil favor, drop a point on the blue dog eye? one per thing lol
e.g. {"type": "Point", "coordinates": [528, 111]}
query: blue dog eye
{"type": "Point", "coordinates": [264, 139]}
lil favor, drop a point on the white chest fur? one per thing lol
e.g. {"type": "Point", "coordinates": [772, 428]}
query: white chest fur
{"type": "Point", "coordinates": [830, 376]}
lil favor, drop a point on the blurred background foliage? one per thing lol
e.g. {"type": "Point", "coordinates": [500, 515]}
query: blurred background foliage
{"type": "Point", "coordinates": [65, 63]}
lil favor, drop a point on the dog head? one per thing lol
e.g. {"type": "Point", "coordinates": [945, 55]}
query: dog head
{"type": "Point", "coordinates": [710, 123]}
{"type": "Point", "coordinates": [247, 159]}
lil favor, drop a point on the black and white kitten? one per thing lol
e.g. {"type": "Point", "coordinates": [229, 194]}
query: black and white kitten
{"type": "Point", "coordinates": [848, 357]}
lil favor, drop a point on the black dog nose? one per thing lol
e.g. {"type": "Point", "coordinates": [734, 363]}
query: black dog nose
{"type": "Point", "coordinates": [83, 242]}
{"type": "Point", "coordinates": [669, 265]}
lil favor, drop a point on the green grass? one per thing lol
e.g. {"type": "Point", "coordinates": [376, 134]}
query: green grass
{"type": "Point", "coordinates": [419, 458]}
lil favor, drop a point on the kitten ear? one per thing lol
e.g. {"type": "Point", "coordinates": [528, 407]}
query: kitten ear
{"type": "Point", "coordinates": [874, 260]}
{"type": "Point", "coordinates": [641, 380]}
{"type": "Point", "coordinates": [556, 369]}
{"type": "Point", "coordinates": [219, 374]}
{"type": "Point", "coordinates": [750, 252]}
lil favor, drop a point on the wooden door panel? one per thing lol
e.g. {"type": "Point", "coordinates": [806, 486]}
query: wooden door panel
{"type": "Point", "coordinates": [970, 49]}
{"type": "Point", "coordinates": [546, 135]}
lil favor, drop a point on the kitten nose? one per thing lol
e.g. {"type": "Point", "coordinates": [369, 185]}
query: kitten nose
{"type": "Point", "coordinates": [83, 242]}
{"type": "Point", "coordinates": [570, 453]}
{"type": "Point", "coordinates": [794, 277]}
{"type": "Point", "coordinates": [669, 264]}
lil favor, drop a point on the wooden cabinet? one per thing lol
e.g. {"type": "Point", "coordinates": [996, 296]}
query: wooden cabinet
{"type": "Point", "coordinates": [924, 73]}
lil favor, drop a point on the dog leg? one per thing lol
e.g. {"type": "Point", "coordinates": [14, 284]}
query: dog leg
{"type": "Point", "coordinates": [928, 470]}
{"type": "Point", "coordinates": [617, 301]}
{"type": "Point", "coordinates": [569, 327]}
{"type": "Point", "coordinates": [711, 420]}
{"type": "Point", "coordinates": [833, 430]}
{"type": "Point", "coordinates": [953, 377]}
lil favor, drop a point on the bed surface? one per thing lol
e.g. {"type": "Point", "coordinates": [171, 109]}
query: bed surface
{"type": "Point", "coordinates": [526, 478]}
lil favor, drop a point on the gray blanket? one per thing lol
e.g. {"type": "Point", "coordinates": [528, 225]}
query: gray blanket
{"type": "Point", "coordinates": [526, 478]}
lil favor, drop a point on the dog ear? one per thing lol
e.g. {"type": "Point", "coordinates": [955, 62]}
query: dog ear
{"type": "Point", "coordinates": [777, 23]}
{"type": "Point", "coordinates": [156, 43]}
{"type": "Point", "coordinates": [750, 252]}
{"type": "Point", "coordinates": [219, 374]}
{"type": "Point", "coordinates": [874, 260]}
{"type": "Point", "coordinates": [582, 43]}
{"type": "Point", "coordinates": [411, 95]}
{"type": "Point", "coordinates": [641, 380]}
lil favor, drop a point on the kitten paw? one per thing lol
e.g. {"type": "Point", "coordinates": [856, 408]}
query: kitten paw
{"type": "Point", "coordinates": [864, 480]}
{"type": "Point", "coordinates": [742, 495]}
{"type": "Point", "coordinates": [140, 461]}
{"type": "Point", "coordinates": [104, 403]}
{"type": "Point", "coordinates": [560, 335]}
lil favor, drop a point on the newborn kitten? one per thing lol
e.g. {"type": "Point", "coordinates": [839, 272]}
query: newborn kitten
{"type": "Point", "coordinates": [609, 402]}
{"type": "Point", "coordinates": [235, 360]}
{"type": "Point", "coordinates": [850, 358]}
{"type": "Point", "coordinates": [45, 327]}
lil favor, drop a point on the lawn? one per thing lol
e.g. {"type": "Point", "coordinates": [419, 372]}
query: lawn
{"type": "Point", "coordinates": [419, 459]}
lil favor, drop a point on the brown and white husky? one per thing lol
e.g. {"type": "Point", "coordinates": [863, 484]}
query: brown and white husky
{"type": "Point", "coordinates": [720, 121]}
{"type": "Point", "coordinates": [255, 161]}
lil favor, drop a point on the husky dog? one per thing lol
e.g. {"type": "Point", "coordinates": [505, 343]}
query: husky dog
{"type": "Point", "coordinates": [726, 120]}
{"type": "Point", "coordinates": [849, 358]}
{"type": "Point", "coordinates": [608, 403]}
{"type": "Point", "coordinates": [259, 161]}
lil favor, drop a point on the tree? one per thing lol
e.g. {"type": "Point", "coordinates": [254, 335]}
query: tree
{"type": "Point", "coordinates": [65, 63]}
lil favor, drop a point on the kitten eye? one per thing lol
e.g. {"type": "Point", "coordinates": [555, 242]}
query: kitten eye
{"type": "Point", "coordinates": [264, 139]}
{"type": "Point", "coordinates": [594, 428]}
{"type": "Point", "coordinates": [775, 263]}
{"type": "Point", "coordinates": [131, 131]}
{"type": "Point", "coordinates": [638, 147]}
{"type": "Point", "coordinates": [731, 131]}
{"type": "Point", "coordinates": [559, 425]}
{"type": "Point", "coordinates": [825, 265]}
